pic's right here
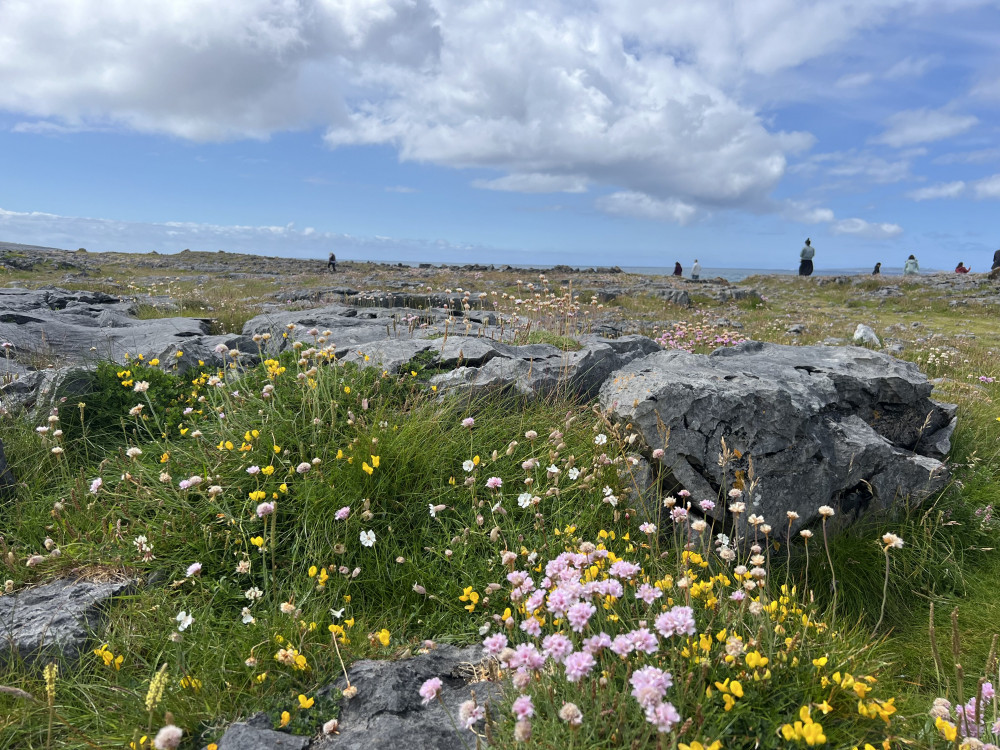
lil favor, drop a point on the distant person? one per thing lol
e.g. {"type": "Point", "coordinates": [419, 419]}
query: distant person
{"type": "Point", "coordinates": [960, 268]}
{"type": "Point", "coordinates": [996, 260]}
{"type": "Point", "coordinates": [877, 270]}
{"type": "Point", "coordinates": [696, 270]}
{"type": "Point", "coordinates": [332, 263]}
{"type": "Point", "coordinates": [912, 268]}
{"type": "Point", "coordinates": [678, 271]}
{"type": "Point", "coordinates": [806, 259]}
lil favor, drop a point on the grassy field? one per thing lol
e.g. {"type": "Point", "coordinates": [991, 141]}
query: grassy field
{"type": "Point", "coordinates": [287, 521]}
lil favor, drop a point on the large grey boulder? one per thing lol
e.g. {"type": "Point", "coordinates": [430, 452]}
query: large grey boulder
{"type": "Point", "coordinates": [53, 620]}
{"type": "Point", "coordinates": [844, 426]}
{"type": "Point", "coordinates": [242, 736]}
{"type": "Point", "coordinates": [387, 713]}
{"type": "Point", "coordinates": [539, 369]}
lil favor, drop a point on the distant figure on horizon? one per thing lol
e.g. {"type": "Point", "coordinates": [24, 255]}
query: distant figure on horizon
{"type": "Point", "coordinates": [696, 270]}
{"type": "Point", "coordinates": [996, 260]}
{"type": "Point", "coordinates": [877, 270]}
{"type": "Point", "coordinates": [960, 268]}
{"type": "Point", "coordinates": [332, 263]}
{"type": "Point", "coordinates": [678, 271]}
{"type": "Point", "coordinates": [806, 258]}
{"type": "Point", "coordinates": [911, 268]}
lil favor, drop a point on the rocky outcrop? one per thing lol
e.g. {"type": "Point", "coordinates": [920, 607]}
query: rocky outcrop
{"type": "Point", "coordinates": [53, 620]}
{"type": "Point", "coordinates": [845, 427]}
{"type": "Point", "coordinates": [539, 368]}
{"type": "Point", "coordinates": [387, 711]}
{"type": "Point", "coordinates": [249, 736]}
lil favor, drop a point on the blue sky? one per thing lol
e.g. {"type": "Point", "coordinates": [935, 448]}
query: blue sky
{"type": "Point", "coordinates": [624, 132]}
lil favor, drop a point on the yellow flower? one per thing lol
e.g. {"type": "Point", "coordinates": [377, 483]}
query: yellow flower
{"type": "Point", "coordinates": [313, 570]}
{"type": "Point", "coordinates": [267, 471]}
{"type": "Point", "coordinates": [257, 495]}
{"type": "Point", "coordinates": [383, 637]}
{"type": "Point", "coordinates": [367, 469]}
{"type": "Point", "coordinates": [375, 460]}
{"type": "Point", "coordinates": [948, 730]}
{"type": "Point", "coordinates": [304, 702]}
{"type": "Point", "coordinates": [285, 718]}
{"type": "Point", "coordinates": [698, 746]}
{"type": "Point", "coordinates": [277, 449]}
{"type": "Point", "coordinates": [475, 460]}
{"type": "Point", "coordinates": [261, 677]}
{"type": "Point", "coordinates": [154, 361]}
{"type": "Point", "coordinates": [257, 541]}
{"type": "Point", "coordinates": [192, 683]}
{"type": "Point", "coordinates": [820, 662]}
{"type": "Point", "coordinates": [468, 595]}
{"type": "Point", "coordinates": [340, 453]}
{"type": "Point", "coordinates": [179, 354]}
{"type": "Point", "coordinates": [165, 457]}
{"type": "Point", "coordinates": [754, 659]}
{"type": "Point", "coordinates": [347, 389]}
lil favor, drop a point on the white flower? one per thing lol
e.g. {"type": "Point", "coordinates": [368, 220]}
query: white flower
{"type": "Point", "coordinates": [524, 499]}
{"type": "Point", "coordinates": [184, 620]}
{"type": "Point", "coordinates": [574, 473]}
{"type": "Point", "coordinates": [826, 511]}
{"type": "Point", "coordinates": [368, 538]}
{"type": "Point", "coordinates": [248, 619]}
{"type": "Point", "coordinates": [133, 452]}
{"type": "Point", "coordinates": [891, 540]}
{"type": "Point", "coordinates": [601, 439]}
{"type": "Point", "coordinates": [141, 387]}
{"type": "Point", "coordinates": [331, 726]}
{"type": "Point", "coordinates": [193, 569]}
{"type": "Point", "coordinates": [435, 509]}
{"type": "Point", "coordinates": [253, 593]}
{"type": "Point", "coordinates": [468, 466]}
{"type": "Point", "coordinates": [337, 613]}
{"type": "Point", "coordinates": [168, 738]}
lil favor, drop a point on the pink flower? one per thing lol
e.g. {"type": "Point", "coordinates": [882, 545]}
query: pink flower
{"type": "Point", "coordinates": [96, 485]}
{"type": "Point", "coordinates": [678, 620]}
{"type": "Point", "coordinates": [343, 513]}
{"type": "Point", "coordinates": [644, 641]}
{"type": "Point", "coordinates": [522, 707]}
{"type": "Point", "coordinates": [494, 644]}
{"type": "Point", "coordinates": [303, 467]}
{"type": "Point", "coordinates": [647, 528]}
{"type": "Point", "coordinates": [579, 615]}
{"type": "Point", "coordinates": [658, 453]}
{"type": "Point", "coordinates": [663, 715]}
{"type": "Point", "coordinates": [168, 738]}
{"type": "Point", "coordinates": [265, 509]}
{"type": "Point", "coordinates": [468, 422]}
{"type": "Point", "coordinates": [557, 647]}
{"type": "Point", "coordinates": [494, 483]}
{"type": "Point", "coordinates": [648, 594]}
{"type": "Point", "coordinates": [578, 665]}
{"type": "Point", "coordinates": [194, 569]}
{"type": "Point", "coordinates": [649, 685]}
{"type": "Point", "coordinates": [430, 690]}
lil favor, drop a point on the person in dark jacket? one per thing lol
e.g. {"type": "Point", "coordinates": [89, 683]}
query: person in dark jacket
{"type": "Point", "coordinates": [332, 263]}
{"type": "Point", "coordinates": [877, 270]}
{"type": "Point", "coordinates": [678, 271]}
{"type": "Point", "coordinates": [996, 260]}
{"type": "Point", "coordinates": [806, 259]}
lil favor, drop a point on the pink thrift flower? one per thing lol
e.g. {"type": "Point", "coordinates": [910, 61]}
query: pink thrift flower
{"type": "Point", "coordinates": [494, 644]}
{"type": "Point", "coordinates": [579, 615]}
{"type": "Point", "coordinates": [494, 483]}
{"type": "Point", "coordinates": [578, 665]}
{"type": "Point", "coordinates": [265, 509]}
{"type": "Point", "coordinates": [430, 690]}
{"type": "Point", "coordinates": [522, 707]}
{"type": "Point", "coordinates": [663, 715]}
{"type": "Point", "coordinates": [678, 620]}
{"type": "Point", "coordinates": [343, 513]}
{"type": "Point", "coordinates": [96, 485]}
{"type": "Point", "coordinates": [557, 647]}
{"type": "Point", "coordinates": [303, 467]}
{"type": "Point", "coordinates": [194, 569]}
{"type": "Point", "coordinates": [468, 422]}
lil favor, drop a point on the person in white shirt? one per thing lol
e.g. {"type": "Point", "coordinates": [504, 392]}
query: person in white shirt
{"type": "Point", "coordinates": [696, 270]}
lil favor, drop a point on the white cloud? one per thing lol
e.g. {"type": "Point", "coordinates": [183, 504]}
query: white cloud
{"type": "Point", "coordinates": [988, 187]}
{"type": "Point", "coordinates": [640, 205]}
{"type": "Point", "coordinates": [943, 190]}
{"type": "Point", "coordinates": [401, 189]}
{"type": "Point", "coordinates": [863, 228]}
{"type": "Point", "coordinates": [807, 213]}
{"type": "Point", "coordinates": [923, 126]}
{"type": "Point", "coordinates": [860, 164]}
{"type": "Point", "coordinates": [535, 183]}
{"type": "Point", "coordinates": [854, 81]}
{"type": "Point", "coordinates": [912, 67]}
{"type": "Point", "coordinates": [979, 156]}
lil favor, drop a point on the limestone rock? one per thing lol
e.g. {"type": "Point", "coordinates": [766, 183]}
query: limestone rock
{"type": "Point", "coordinates": [54, 619]}
{"type": "Point", "coordinates": [387, 711]}
{"type": "Point", "coordinates": [820, 424]}
{"type": "Point", "coordinates": [242, 736]}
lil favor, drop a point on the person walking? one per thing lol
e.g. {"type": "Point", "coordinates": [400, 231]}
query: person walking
{"type": "Point", "coordinates": [877, 270]}
{"type": "Point", "coordinates": [696, 270]}
{"type": "Point", "coordinates": [806, 259]}
{"type": "Point", "coordinates": [678, 271]}
{"type": "Point", "coordinates": [332, 263]}
{"type": "Point", "coordinates": [912, 268]}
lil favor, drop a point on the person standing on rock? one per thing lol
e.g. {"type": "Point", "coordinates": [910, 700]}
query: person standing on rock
{"type": "Point", "coordinates": [996, 260]}
{"type": "Point", "coordinates": [678, 271]}
{"type": "Point", "coordinates": [332, 263]}
{"type": "Point", "coordinates": [877, 270]}
{"type": "Point", "coordinates": [696, 270]}
{"type": "Point", "coordinates": [912, 268]}
{"type": "Point", "coordinates": [806, 259]}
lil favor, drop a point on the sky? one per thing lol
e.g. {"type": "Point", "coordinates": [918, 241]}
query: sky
{"type": "Point", "coordinates": [586, 132]}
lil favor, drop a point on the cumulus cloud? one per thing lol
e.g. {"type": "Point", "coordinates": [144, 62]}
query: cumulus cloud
{"type": "Point", "coordinates": [943, 190]}
{"type": "Point", "coordinates": [807, 213]}
{"type": "Point", "coordinates": [863, 228]}
{"type": "Point", "coordinates": [535, 183]}
{"type": "Point", "coordinates": [640, 205]}
{"type": "Point", "coordinates": [988, 187]}
{"type": "Point", "coordinates": [924, 126]}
